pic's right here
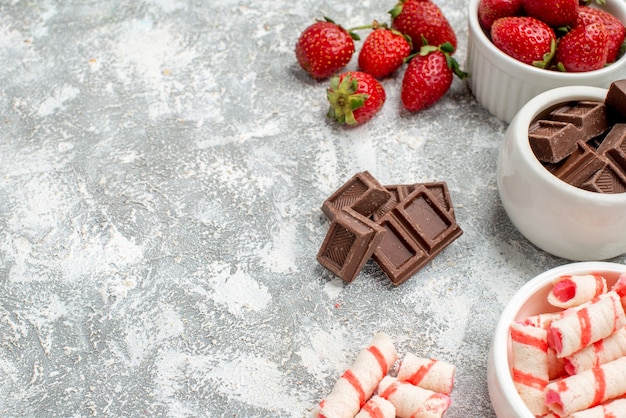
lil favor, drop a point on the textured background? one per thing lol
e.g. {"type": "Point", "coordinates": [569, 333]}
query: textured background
{"type": "Point", "coordinates": [162, 166]}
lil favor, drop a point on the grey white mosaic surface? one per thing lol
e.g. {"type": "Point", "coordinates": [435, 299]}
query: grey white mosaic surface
{"type": "Point", "coordinates": [162, 166]}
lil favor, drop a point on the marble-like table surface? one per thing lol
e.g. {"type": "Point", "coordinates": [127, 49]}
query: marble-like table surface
{"type": "Point", "coordinates": [162, 167]}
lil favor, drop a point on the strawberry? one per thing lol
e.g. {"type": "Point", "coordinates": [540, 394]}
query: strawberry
{"type": "Point", "coordinates": [324, 48]}
{"type": "Point", "coordinates": [383, 51]}
{"type": "Point", "coordinates": [584, 48]}
{"type": "Point", "coordinates": [615, 29]}
{"type": "Point", "coordinates": [354, 97]}
{"type": "Point", "coordinates": [491, 10]}
{"type": "Point", "coordinates": [422, 19]}
{"type": "Point", "coordinates": [428, 77]}
{"type": "Point", "coordinates": [555, 13]}
{"type": "Point", "coordinates": [524, 38]}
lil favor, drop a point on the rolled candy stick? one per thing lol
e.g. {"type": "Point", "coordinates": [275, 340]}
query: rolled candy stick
{"type": "Point", "coordinates": [358, 383]}
{"type": "Point", "coordinates": [620, 288]}
{"type": "Point", "coordinates": [435, 375]}
{"type": "Point", "coordinates": [377, 407]}
{"type": "Point", "coordinates": [569, 291]}
{"type": "Point", "coordinates": [600, 352]}
{"type": "Point", "coordinates": [611, 409]}
{"type": "Point", "coordinates": [587, 389]}
{"type": "Point", "coordinates": [542, 320]}
{"type": "Point", "coordinates": [413, 401]}
{"type": "Point", "coordinates": [585, 324]}
{"type": "Point", "coordinates": [530, 365]}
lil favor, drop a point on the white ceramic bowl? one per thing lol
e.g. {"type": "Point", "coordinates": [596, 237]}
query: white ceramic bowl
{"type": "Point", "coordinates": [503, 85]}
{"type": "Point", "coordinates": [557, 217]}
{"type": "Point", "coordinates": [531, 299]}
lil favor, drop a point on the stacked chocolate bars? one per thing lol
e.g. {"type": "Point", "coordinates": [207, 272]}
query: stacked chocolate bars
{"type": "Point", "coordinates": [402, 227]}
{"type": "Point", "coordinates": [584, 143]}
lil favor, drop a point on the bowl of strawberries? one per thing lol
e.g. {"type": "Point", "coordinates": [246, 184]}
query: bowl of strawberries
{"type": "Point", "coordinates": [518, 49]}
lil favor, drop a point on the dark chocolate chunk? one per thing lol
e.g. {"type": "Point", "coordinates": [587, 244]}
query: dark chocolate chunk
{"type": "Point", "coordinates": [615, 101]}
{"type": "Point", "coordinates": [588, 116]}
{"type": "Point", "coordinates": [398, 192]}
{"type": "Point", "coordinates": [580, 165]}
{"type": "Point", "coordinates": [552, 141]}
{"type": "Point", "coordinates": [439, 189]}
{"type": "Point", "coordinates": [614, 146]}
{"type": "Point", "coordinates": [362, 192]}
{"type": "Point", "coordinates": [349, 243]}
{"type": "Point", "coordinates": [608, 180]}
{"type": "Point", "coordinates": [554, 138]}
{"type": "Point", "coordinates": [417, 229]}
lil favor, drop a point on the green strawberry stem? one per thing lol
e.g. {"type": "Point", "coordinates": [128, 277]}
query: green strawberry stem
{"type": "Point", "coordinates": [547, 57]}
{"type": "Point", "coordinates": [344, 100]}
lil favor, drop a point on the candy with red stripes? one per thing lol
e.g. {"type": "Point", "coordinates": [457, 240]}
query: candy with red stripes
{"type": "Point", "coordinates": [612, 409]}
{"type": "Point", "coordinates": [431, 374]}
{"type": "Point", "coordinates": [569, 291]}
{"type": "Point", "coordinates": [413, 401]}
{"type": "Point", "coordinates": [587, 389]}
{"type": "Point", "coordinates": [585, 324]}
{"type": "Point", "coordinates": [355, 387]}
{"type": "Point", "coordinates": [530, 371]}
{"type": "Point", "coordinates": [377, 407]}
{"type": "Point", "coordinates": [600, 352]}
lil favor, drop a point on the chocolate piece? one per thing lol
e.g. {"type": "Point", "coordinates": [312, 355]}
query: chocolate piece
{"type": "Point", "coordinates": [615, 101]}
{"type": "Point", "coordinates": [362, 192]}
{"type": "Point", "coordinates": [588, 116]}
{"type": "Point", "coordinates": [417, 229]}
{"type": "Point", "coordinates": [439, 189]}
{"type": "Point", "coordinates": [398, 192]}
{"type": "Point", "coordinates": [551, 141]}
{"type": "Point", "coordinates": [554, 138]}
{"type": "Point", "coordinates": [580, 165]}
{"type": "Point", "coordinates": [349, 243]}
{"type": "Point", "coordinates": [614, 146]}
{"type": "Point", "coordinates": [608, 180]}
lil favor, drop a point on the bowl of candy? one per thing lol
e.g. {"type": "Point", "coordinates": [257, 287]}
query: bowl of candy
{"type": "Point", "coordinates": [520, 48]}
{"type": "Point", "coordinates": [561, 172]}
{"type": "Point", "coordinates": [559, 346]}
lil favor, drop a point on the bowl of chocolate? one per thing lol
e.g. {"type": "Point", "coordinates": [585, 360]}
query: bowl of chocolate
{"type": "Point", "coordinates": [561, 171]}
{"type": "Point", "coordinates": [503, 84]}
{"type": "Point", "coordinates": [541, 361]}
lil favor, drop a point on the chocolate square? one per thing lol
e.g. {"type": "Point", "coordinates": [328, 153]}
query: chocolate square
{"type": "Point", "coordinates": [580, 165]}
{"type": "Point", "coordinates": [417, 229]}
{"type": "Point", "coordinates": [349, 243]}
{"type": "Point", "coordinates": [362, 192]}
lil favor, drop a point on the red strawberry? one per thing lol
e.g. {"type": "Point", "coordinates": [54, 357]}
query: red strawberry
{"type": "Point", "coordinates": [491, 10]}
{"type": "Point", "coordinates": [584, 48]}
{"type": "Point", "coordinates": [354, 97]}
{"type": "Point", "coordinates": [428, 77]}
{"type": "Point", "coordinates": [553, 12]}
{"type": "Point", "coordinates": [524, 38]}
{"type": "Point", "coordinates": [383, 51]}
{"type": "Point", "coordinates": [324, 48]}
{"type": "Point", "coordinates": [422, 19]}
{"type": "Point", "coordinates": [615, 29]}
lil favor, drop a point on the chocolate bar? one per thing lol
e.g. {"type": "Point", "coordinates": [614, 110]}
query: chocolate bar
{"type": "Point", "coordinates": [363, 193]}
{"type": "Point", "coordinates": [608, 180]}
{"type": "Point", "coordinates": [349, 243]}
{"type": "Point", "coordinates": [554, 137]}
{"type": "Point", "coordinates": [551, 141]}
{"type": "Point", "coordinates": [588, 116]}
{"type": "Point", "coordinates": [416, 230]}
{"type": "Point", "coordinates": [580, 165]}
{"type": "Point", "coordinates": [439, 190]}
{"type": "Point", "coordinates": [614, 146]}
{"type": "Point", "coordinates": [615, 101]}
